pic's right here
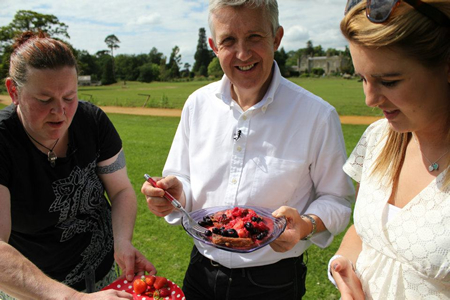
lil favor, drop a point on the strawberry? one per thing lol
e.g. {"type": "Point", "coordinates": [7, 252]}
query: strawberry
{"type": "Point", "coordinates": [164, 292]}
{"type": "Point", "coordinates": [160, 282]}
{"type": "Point", "coordinates": [239, 224]}
{"type": "Point", "coordinates": [150, 291]}
{"type": "Point", "coordinates": [139, 285]}
{"type": "Point", "coordinates": [236, 212]}
{"type": "Point", "coordinates": [242, 233]}
{"type": "Point", "coordinates": [150, 280]}
{"type": "Point", "coordinates": [161, 294]}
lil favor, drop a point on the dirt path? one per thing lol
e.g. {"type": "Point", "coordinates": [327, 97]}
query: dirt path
{"type": "Point", "coordinates": [353, 120]}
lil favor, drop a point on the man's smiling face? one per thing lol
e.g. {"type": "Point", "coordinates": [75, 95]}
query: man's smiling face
{"type": "Point", "coordinates": [245, 46]}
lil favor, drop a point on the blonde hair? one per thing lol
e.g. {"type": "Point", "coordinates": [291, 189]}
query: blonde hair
{"type": "Point", "coordinates": [415, 36]}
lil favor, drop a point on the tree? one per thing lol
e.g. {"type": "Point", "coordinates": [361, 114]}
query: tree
{"type": "Point", "coordinates": [124, 66]}
{"type": "Point", "coordinates": [107, 72]}
{"type": "Point", "coordinates": [318, 51]}
{"type": "Point", "coordinates": [127, 66]}
{"type": "Point", "coordinates": [112, 42]}
{"type": "Point", "coordinates": [185, 72]}
{"type": "Point", "coordinates": [154, 56]}
{"type": "Point", "coordinates": [174, 63]}
{"type": "Point", "coordinates": [347, 63]}
{"type": "Point", "coordinates": [87, 63]}
{"type": "Point", "coordinates": [203, 55]}
{"type": "Point", "coordinates": [292, 58]}
{"type": "Point", "coordinates": [148, 72]}
{"type": "Point", "coordinates": [281, 58]}
{"type": "Point", "coordinates": [309, 48]}
{"type": "Point", "coordinates": [332, 52]}
{"type": "Point", "coordinates": [27, 20]}
{"type": "Point", "coordinates": [214, 68]}
{"type": "Point", "coordinates": [163, 73]}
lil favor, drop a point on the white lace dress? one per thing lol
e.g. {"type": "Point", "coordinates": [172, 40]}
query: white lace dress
{"type": "Point", "coordinates": [408, 256]}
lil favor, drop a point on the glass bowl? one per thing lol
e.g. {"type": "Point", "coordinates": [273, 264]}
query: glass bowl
{"type": "Point", "coordinates": [276, 227]}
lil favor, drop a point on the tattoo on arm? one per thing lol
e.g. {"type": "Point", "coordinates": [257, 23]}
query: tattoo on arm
{"type": "Point", "coordinates": [117, 165]}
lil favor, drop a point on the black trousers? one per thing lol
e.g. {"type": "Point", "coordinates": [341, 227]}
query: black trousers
{"type": "Point", "coordinates": [208, 280]}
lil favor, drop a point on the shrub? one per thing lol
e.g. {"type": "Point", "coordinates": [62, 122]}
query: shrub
{"type": "Point", "coordinates": [318, 71]}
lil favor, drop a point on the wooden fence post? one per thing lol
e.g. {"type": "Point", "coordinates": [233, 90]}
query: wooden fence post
{"type": "Point", "coordinates": [148, 98]}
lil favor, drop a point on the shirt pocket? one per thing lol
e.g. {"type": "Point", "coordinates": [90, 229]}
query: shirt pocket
{"type": "Point", "coordinates": [275, 180]}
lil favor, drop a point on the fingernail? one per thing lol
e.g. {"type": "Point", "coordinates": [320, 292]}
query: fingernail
{"type": "Point", "coordinates": [335, 266]}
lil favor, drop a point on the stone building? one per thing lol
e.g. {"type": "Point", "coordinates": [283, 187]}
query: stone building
{"type": "Point", "coordinates": [330, 64]}
{"type": "Point", "coordinates": [84, 80]}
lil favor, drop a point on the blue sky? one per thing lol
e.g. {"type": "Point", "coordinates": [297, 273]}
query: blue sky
{"type": "Point", "coordinates": [141, 25]}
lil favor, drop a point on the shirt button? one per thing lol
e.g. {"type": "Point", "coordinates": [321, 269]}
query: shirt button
{"type": "Point", "coordinates": [244, 117]}
{"type": "Point", "coordinates": [239, 148]}
{"type": "Point", "coordinates": [264, 108]}
{"type": "Point", "coordinates": [233, 181]}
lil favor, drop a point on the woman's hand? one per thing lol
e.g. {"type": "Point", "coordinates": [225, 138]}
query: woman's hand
{"type": "Point", "coordinates": [346, 280]}
{"type": "Point", "coordinates": [131, 261]}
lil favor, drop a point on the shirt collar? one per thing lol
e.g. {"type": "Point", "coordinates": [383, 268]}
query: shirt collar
{"type": "Point", "coordinates": [224, 91]}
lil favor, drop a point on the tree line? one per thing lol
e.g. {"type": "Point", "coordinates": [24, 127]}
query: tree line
{"type": "Point", "coordinates": [106, 68]}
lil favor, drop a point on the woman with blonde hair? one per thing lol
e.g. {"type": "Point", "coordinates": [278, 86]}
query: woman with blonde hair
{"type": "Point", "coordinates": [399, 245]}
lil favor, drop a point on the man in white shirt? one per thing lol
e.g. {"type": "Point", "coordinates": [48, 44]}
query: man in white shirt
{"type": "Point", "coordinates": [256, 139]}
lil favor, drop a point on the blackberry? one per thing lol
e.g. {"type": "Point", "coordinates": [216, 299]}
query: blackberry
{"type": "Point", "coordinates": [232, 233]}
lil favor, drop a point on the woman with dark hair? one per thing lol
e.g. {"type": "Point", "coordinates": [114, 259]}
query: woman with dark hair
{"type": "Point", "coordinates": [399, 245]}
{"type": "Point", "coordinates": [59, 234]}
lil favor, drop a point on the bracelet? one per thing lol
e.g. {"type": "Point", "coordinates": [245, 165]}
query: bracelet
{"type": "Point", "coordinates": [313, 222]}
{"type": "Point", "coordinates": [330, 276]}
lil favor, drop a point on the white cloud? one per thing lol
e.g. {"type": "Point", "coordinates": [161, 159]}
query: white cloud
{"type": "Point", "coordinates": [152, 19]}
{"type": "Point", "coordinates": [141, 25]}
{"type": "Point", "coordinates": [294, 37]}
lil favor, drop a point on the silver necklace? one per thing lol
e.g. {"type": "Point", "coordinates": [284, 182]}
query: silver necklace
{"type": "Point", "coordinates": [433, 166]}
{"type": "Point", "coordinates": [51, 156]}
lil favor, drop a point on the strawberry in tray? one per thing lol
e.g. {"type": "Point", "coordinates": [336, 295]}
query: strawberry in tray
{"type": "Point", "coordinates": [149, 287]}
{"type": "Point", "coordinates": [237, 228]}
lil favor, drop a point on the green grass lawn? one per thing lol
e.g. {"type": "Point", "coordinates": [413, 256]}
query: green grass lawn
{"type": "Point", "coordinates": [345, 95]}
{"type": "Point", "coordinates": [134, 94]}
{"type": "Point", "coordinates": [146, 143]}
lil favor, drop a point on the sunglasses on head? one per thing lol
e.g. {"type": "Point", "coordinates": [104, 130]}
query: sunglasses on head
{"type": "Point", "coordinates": [378, 11]}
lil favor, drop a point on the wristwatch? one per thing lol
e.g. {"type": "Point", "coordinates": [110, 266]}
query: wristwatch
{"type": "Point", "coordinates": [313, 222]}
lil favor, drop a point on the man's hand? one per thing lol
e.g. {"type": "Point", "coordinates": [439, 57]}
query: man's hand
{"type": "Point", "coordinates": [156, 203]}
{"type": "Point", "coordinates": [295, 229]}
{"type": "Point", "coordinates": [131, 261]}
{"type": "Point", "coordinates": [346, 280]}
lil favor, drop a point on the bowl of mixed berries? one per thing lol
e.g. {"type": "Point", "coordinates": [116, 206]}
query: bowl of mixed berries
{"type": "Point", "coordinates": [237, 228]}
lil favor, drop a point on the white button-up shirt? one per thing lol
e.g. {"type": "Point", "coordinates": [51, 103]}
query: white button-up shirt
{"type": "Point", "coordinates": [288, 149]}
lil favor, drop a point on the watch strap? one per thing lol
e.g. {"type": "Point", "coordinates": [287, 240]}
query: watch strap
{"type": "Point", "coordinates": [314, 225]}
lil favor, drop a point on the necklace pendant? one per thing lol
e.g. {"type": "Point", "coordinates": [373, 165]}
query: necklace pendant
{"type": "Point", "coordinates": [433, 167]}
{"type": "Point", "coordinates": [52, 158]}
